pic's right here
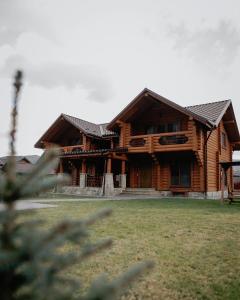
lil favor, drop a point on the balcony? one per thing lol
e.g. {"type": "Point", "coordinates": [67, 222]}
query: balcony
{"type": "Point", "coordinates": [74, 148]}
{"type": "Point", "coordinates": [174, 141]}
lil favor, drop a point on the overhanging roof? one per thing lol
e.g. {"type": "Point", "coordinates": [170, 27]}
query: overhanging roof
{"type": "Point", "coordinates": [228, 164]}
{"type": "Point", "coordinates": [88, 128]}
{"type": "Point", "coordinates": [148, 93]}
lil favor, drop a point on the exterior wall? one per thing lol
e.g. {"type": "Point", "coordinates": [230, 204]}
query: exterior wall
{"type": "Point", "coordinates": [212, 162]}
{"type": "Point", "coordinates": [225, 155]}
{"type": "Point", "coordinates": [216, 154]}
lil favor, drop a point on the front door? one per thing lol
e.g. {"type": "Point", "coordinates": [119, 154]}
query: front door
{"type": "Point", "coordinates": [145, 179]}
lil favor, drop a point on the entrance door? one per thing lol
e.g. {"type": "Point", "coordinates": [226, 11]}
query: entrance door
{"type": "Point", "coordinates": [145, 171]}
{"type": "Point", "coordinates": [143, 174]}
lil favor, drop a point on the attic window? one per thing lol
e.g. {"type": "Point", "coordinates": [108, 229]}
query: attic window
{"type": "Point", "coordinates": [224, 140]}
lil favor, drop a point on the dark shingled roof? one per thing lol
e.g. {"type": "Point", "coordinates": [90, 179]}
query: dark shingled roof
{"type": "Point", "coordinates": [98, 130]}
{"type": "Point", "coordinates": [32, 159]}
{"type": "Point", "coordinates": [211, 111]}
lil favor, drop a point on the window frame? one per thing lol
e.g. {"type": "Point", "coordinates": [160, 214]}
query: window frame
{"type": "Point", "coordinates": [223, 140]}
{"type": "Point", "coordinates": [180, 173]}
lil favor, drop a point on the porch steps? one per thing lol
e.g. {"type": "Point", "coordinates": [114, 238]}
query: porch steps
{"type": "Point", "coordinates": [140, 191]}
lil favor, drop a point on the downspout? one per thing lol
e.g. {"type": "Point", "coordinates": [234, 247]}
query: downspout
{"type": "Point", "coordinates": [205, 161]}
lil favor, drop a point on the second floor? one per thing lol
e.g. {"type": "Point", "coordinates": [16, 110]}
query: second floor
{"type": "Point", "coordinates": [150, 123]}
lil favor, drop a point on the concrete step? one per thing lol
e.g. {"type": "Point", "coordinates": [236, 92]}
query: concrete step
{"type": "Point", "coordinates": [140, 191]}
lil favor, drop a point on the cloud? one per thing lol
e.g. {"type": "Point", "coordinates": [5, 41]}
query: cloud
{"type": "Point", "coordinates": [89, 78]}
{"type": "Point", "coordinates": [18, 17]}
{"type": "Point", "coordinates": [217, 47]}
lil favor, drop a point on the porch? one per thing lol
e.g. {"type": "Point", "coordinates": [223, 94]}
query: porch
{"type": "Point", "coordinates": [94, 175]}
{"type": "Point", "coordinates": [139, 174]}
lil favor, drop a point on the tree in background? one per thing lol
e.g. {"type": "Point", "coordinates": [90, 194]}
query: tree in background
{"type": "Point", "coordinates": [31, 265]}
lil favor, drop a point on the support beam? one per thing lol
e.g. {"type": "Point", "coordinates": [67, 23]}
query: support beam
{"type": "Point", "coordinates": [84, 166]}
{"type": "Point", "coordinates": [60, 166]}
{"type": "Point", "coordinates": [109, 165]}
{"type": "Point", "coordinates": [229, 122]}
{"type": "Point", "coordinates": [123, 167]}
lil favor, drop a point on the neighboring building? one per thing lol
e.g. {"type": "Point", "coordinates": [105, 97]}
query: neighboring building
{"type": "Point", "coordinates": [24, 164]}
{"type": "Point", "coordinates": [153, 143]}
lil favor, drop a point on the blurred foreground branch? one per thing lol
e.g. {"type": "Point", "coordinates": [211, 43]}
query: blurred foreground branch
{"type": "Point", "coordinates": [31, 263]}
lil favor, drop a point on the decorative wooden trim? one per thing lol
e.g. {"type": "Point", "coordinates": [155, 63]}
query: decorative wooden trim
{"type": "Point", "coordinates": [173, 139]}
{"type": "Point", "coordinates": [137, 142]}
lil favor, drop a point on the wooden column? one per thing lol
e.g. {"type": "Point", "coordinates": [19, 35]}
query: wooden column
{"type": "Point", "coordinates": [123, 167]}
{"type": "Point", "coordinates": [109, 165]}
{"type": "Point", "coordinates": [158, 176]}
{"type": "Point", "coordinates": [60, 166]}
{"type": "Point", "coordinates": [84, 166]}
{"type": "Point", "coordinates": [222, 183]}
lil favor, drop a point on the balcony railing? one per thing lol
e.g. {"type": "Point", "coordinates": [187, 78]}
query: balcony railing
{"type": "Point", "coordinates": [181, 140]}
{"type": "Point", "coordinates": [72, 148]}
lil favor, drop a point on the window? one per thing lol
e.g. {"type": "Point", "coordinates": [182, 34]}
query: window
{"type": "Point", "coordinates": [169, 127]}
{"type": "Point", "coordinates": [151, 129]}
{"type": "Point", "coordinates": [223, 140]}
{"type": "Point", "coordinates": [163, 128]}
{"type": "Point", "coordinates": [181, 174]}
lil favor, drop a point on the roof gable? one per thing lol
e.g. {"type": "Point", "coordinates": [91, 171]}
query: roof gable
{"type": "Point", "coordinates": [148, 93]}
{"type": "Point", "coordinates": [87, 128]}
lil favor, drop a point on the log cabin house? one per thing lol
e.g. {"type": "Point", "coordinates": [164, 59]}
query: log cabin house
{"type": "Point", "coordinates": [152, 146]}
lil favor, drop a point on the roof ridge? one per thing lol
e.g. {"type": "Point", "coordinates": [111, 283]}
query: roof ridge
{"type": "Point", "coordinates": [207, 103]}
{"type": "Point", "coordinates": [103, 123]}
{"type": "Point", "coordinates": [79, 119]}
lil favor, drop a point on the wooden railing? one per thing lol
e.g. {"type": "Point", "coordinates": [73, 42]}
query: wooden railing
{"type": "Point", "coordinates": [181, 140]}
{"type": "Point", "coordinates": [94, 181]}
{"type": "Point", "coordinates": [71, 148]}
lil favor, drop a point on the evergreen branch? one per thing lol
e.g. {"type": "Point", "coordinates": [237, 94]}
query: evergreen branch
{"type": "Point", "coordinates": [42, 186]}
{"type": "Point", "coordinates": [101, 288]}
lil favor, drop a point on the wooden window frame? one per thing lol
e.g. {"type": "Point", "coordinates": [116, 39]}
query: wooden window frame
{"type": "Point", "coordinates": [223, 140]}
{"type": "Point", "coordinates": [180, 165]}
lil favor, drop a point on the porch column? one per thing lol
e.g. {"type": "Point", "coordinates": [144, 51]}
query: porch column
{"type": "Point", "coordinates": [60, 166]}
{"type": "Point", "coordinates": [84, 166]}
{"type": "Point", "coordinates": [108, 180]}
{"type": "Point", "coordinates": [123, 176]}
{"type": "Point", "coordinates": [109, 165]}
{"type": "Point", "coordinates": [83, 175]}
{"type": "Point", "coordinates": [223, 174]}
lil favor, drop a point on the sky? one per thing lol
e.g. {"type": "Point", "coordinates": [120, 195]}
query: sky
{"type": "Point", "coordinates": [90, 58]}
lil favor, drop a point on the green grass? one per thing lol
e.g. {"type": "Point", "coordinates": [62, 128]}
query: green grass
{"type": "Point", "coordinates": [195, 245]}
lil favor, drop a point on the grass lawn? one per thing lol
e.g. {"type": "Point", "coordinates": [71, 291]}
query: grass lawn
{"type": "Point", "coordinates": [195, 245]}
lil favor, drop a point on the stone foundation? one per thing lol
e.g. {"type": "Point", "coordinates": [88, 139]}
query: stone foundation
{"type": "Point", "coordinates": [82, 180]}
{"type": "Point", "coordinates": [216, 195]}
{"type": "Point", "coordinates": [123, 181]}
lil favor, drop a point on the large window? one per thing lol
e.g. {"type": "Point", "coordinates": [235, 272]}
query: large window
{"type": "Point", "coordinates": [181, 173]}
{"type": "Point", "coordinates": [162, 128]}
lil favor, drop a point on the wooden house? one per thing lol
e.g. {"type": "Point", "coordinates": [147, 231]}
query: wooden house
{"type": "Point", "coordinates": [152, 145]}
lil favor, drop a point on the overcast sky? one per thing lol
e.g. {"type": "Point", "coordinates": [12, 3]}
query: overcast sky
{"type": "Point", "coordinates": [90, 58]}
